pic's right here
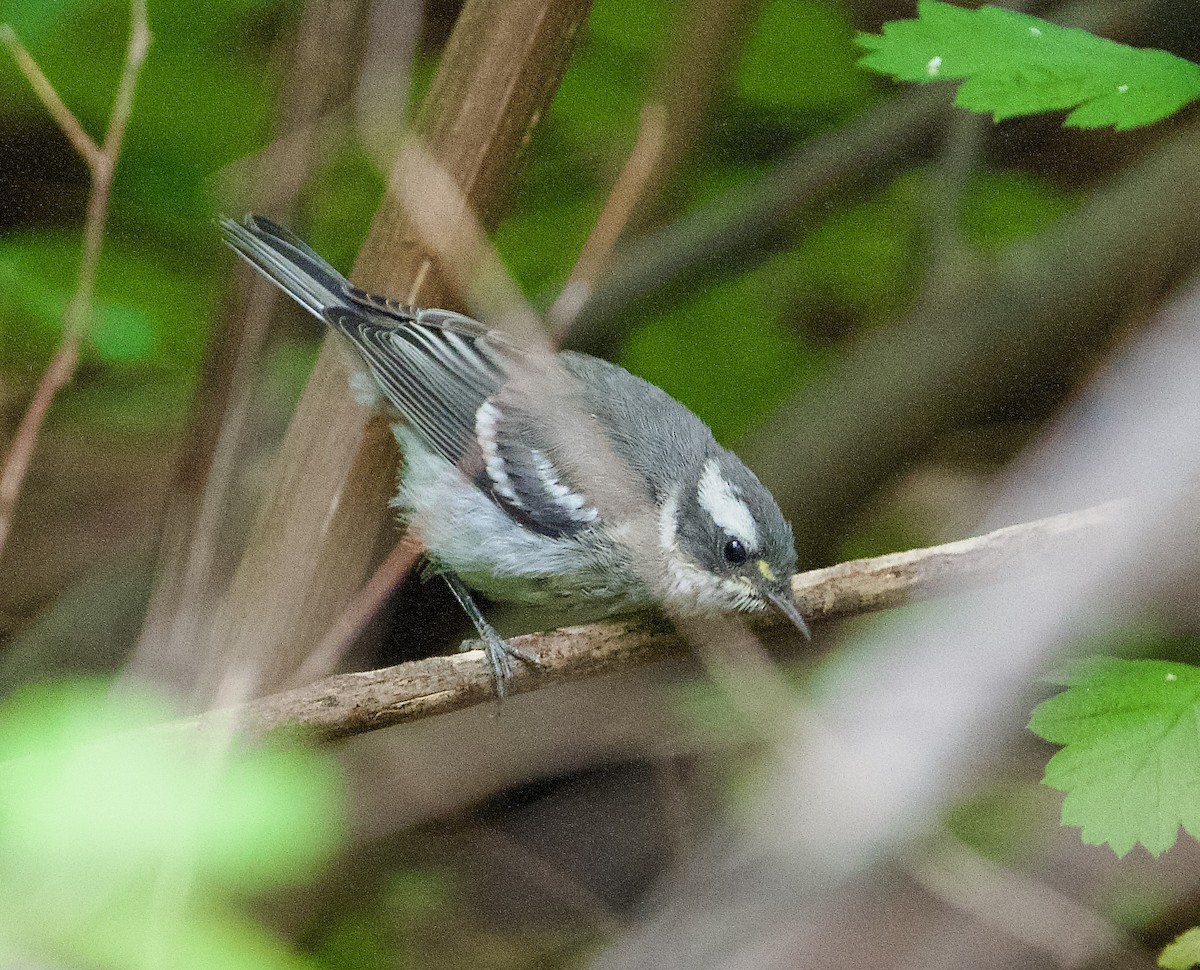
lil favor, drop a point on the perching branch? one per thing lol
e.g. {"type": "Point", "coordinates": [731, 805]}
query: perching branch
{"type": "Point", "coordinates": [348, 704]}
{"type": "Point", "coordinates": [101, 161]}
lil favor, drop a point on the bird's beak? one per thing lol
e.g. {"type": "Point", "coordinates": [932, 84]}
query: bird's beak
{"type": "Point", "coordinates": [783, 602]}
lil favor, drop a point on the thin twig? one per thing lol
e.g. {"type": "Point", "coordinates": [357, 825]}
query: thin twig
{"type": "Point", "coordinates": [80, 140]}
{"type": "Point", "coordinates": [614, 217]}
{"type": "Point", "coordinates": [16, 463]}
{"type": "Point", "coordinates": [348, 704]}
{"type": "Point", "coordinates": [360, 610]}
{"type": "Point", "coordinates": [101, 162]}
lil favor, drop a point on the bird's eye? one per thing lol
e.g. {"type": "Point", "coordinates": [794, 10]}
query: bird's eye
{"type": "Point", "coordinates": [735, 552]}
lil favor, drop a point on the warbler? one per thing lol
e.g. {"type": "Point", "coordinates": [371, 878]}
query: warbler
{"type": "Point", "coordinates": [498, 496]}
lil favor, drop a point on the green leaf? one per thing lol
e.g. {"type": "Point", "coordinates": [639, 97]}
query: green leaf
{"type": "Point", "coordinates": [1130, 765]}
{"type": "Point", "coordinates": [98, 812]}
{"type": "Point", "coordinates": [1182, 952]}
{"type": "Point", "coordinates": [1014, 64]}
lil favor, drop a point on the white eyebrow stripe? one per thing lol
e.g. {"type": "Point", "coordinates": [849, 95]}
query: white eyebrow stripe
{"type": "Point", "coordinates": [718, 498]}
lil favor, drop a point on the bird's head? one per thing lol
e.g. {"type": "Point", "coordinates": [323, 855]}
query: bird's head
{"type": "Point", "coordinates": [726, 543]}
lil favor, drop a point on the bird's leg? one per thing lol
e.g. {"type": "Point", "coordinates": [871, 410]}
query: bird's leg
{"type": "Point", "coordinates": [495, 647]}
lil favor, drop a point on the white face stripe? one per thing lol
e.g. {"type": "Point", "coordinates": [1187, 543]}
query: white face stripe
{"type": "Point", "coordinates": [718, 499]}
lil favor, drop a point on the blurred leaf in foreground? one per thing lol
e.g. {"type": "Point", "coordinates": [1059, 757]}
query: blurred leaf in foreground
{"type": "Point", "coordinates": [140, 841]}
{"type": "Point", "coordinates": [1014, 64]}
{"type": "Point", "coordinates": [1182, 952]}
{"type": "Point", "coordinates": [1130, 765]}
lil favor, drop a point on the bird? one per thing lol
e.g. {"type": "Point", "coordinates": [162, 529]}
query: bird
{"type": "Point", "coordinates": [489, 482]}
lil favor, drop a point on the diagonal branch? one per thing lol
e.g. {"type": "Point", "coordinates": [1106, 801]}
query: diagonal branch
{"type": "Point", "coordinates": [349, 704]}
{"type": "Point", "coordinates": [80, 140]}
{"type": "Point", "coordinates": [314, 541]}
{"type": "Point", "coordinates": [101, 162]}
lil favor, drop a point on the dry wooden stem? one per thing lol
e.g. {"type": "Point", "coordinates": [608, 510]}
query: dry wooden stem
{"type": "Point", "coordinates": [348, 704]}
{"type": "Point", "coordinates": [504, 298]}
{"type": "Point", "coordinates": [101, 162]}
{"type": "Point", "coordinates": [614, 217]}
{"type": "Point", "coordinates": [360, 611]}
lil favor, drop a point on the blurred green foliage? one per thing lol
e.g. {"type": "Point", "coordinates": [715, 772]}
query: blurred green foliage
{"type": "Point", "coordinates": [140, 841]}
{"type": "Point", "coordinates": [800, 61]}
{"type": "Point", "coordinates": [731, 352]}
{"type": "Point", "coordinates": [113, 837]}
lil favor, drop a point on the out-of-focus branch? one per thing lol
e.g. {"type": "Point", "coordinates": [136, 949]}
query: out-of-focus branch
{"type": "Point", "coordinates": [973, 346]}
{"type": "Point", "coordinates": [747, 225]}
{"type": "Point", "coordinates": [102, 162]}
{"type": "Point", "coordinates": [197, 550]}
{"type": "Point", "coordinates": [627, 192]}
{"type": "Point", "coordinates": [704, 46]}
{"type": "Point", "coordinates": [732, 232]}
{"type": "Point", "coordinates": [315, 539]}
{"type": "Point", "coordinates": [1029, 911]}
{"type": "Point", "coordinates": [348, 704]}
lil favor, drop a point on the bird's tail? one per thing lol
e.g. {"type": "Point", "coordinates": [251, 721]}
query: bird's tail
{"type": "Point", "coordinates": [288, 261]}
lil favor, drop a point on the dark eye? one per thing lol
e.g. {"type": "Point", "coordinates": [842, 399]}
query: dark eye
{"type": "Point", "coordinates": [735, 552]}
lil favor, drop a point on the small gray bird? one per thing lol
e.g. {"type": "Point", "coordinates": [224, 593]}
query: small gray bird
{"type": "Point", "coordinates": [495, 494]}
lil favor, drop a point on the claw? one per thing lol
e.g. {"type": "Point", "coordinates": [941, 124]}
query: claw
{"type": "Point", "coordinates": [495, 648]}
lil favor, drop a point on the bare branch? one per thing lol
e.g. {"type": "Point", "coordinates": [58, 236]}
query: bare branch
{"type": "Point", "coordinates": [80, 140]}
{"type": "Point", "coordinates": [360, 611]}
{"type": "Point", "coordinates": [348, 704]}
{"type": "Point", "coordinates": [101, 163]}
{"type": "Point", "coordinates": [614, 217]}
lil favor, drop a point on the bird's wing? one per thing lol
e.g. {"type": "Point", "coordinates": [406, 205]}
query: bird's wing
{"type": "Point", "coordinates": [434, 367]}
{"type": "Point", "coordinates": [445, 374]}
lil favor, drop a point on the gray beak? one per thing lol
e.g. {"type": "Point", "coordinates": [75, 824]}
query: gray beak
{"type": "Point", "coordinates": [787, 606]}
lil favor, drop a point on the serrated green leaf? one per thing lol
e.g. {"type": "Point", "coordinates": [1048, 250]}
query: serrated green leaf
{"type": "Point", "coordinates": [1013, 64]}
{"type": "Point", "coordinates": [1182, 952]}
{"type": "Point", "coordinates": [1130, 765]}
